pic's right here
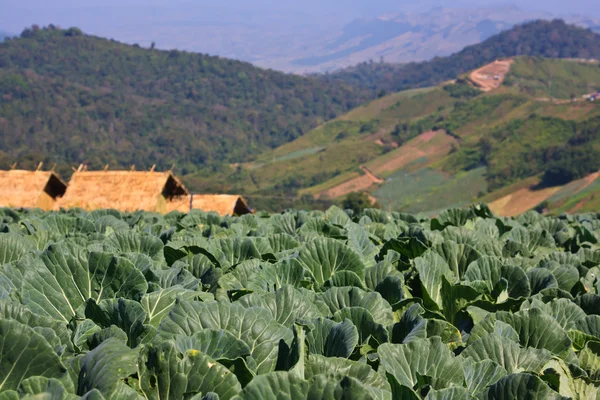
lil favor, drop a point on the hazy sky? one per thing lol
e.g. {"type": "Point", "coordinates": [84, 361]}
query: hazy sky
{"type": "Point", "coordinates": [237, 28]}
{"type": "Point", "coordinates": [16, 14]}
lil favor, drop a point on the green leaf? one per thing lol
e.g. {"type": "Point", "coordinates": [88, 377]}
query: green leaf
{"type": "Point", "coordinates": [454, 393]}
{"type": "Point", "coordinates": [337, 216]}
{"type": "Point", "coordinates": [323, 258]}
{"type": "Point", "coordinates": [332, 339]}
{"type": "Point", "coordinates": [60, 282]}
{"type": "Point", "coordinates": [168, 374]}
{"type": "Point", "coordinates": [427, 358]}
{"type": "Point", "coordinates": [412, 326]}
{"type": "Point", "coordinates": [589, 360]}
{"type": "Point", "coordinates": [25, 353]}
{"type": "Point", "coordinates": [558, 372]}
{"type": "Point", "coordinates": [40, 386]}
{"type": "Point", "coordinates": [492, 270]}
{"type": "Point", "coordinates": [535, 328]}
{"type": "Point", "coordinates": [272, 277]}
{"type": "Point", "coordinates": [339, 298]}
{"type": "Point", "coordinates": [83, 333]}
{"type": "Point", "coordinates": [431, 268]}
{"type": "Point", "coordinates": [506, 353]}
{"type": "Point", "coordinates": [387, 281]}
{"type": "Point", "coordinates": [540, 279]}
{"type": "Point", "coordinates": [564, 311]}
{"type": "Point", "coordinates": [521, 386]}
{"type": "Point", "coordinates": [375, 383]}
{"type": "Point", "coordinates": [255, 326]}
{"type": "Point", "coordinates": [275, 386]}
{"type": "Point", "coordinates": [452, 217]}
{"type": "Point", "coordinates": [13, 247]}
{"type": "Point", "coordinates": [287, 305]}
{"type": "Point", "coordinates": [566, 276]}
{"type": "Point", "coordinates": [458, 256]}
{"type": "Point", "coordinates": [133, 242]}
{"type": "Point", "coordinates": [157, 304]}
{"type": "Point", "coordinates": [590, 325]}
{"type": "Point", "coordinates": [481, 374]}
{"type": "Point", "coordinates": [358, 239]}
{"type": "Point", "coordinates": [326, 387]}
{"type": "Point", "coordinates": [105, 367]}
{"type": "Point", "coordinates": [364, 322]}
{"type": "Point", "coordinates": [590, 303]}
{"type": "Point", "coordinates": [55, 332]}
{"type": "Point", "coordinates": [127, 315]}
{"type": "Point", "coordinates": [217, 344]}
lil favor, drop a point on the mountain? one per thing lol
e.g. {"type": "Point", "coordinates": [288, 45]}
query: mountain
{"type": "Point", "coordinates": [519, 126]}
{"type": "Point", "coordinates": [4, 35]}
{"type": "Point", "coordinates": [69, 98]}
{"type": "Point", "coordinates": [407, 37]}
{"type": "Point", "coordinates": [300, 37]}
{"type": "Point", "coordinates": [555, 39]}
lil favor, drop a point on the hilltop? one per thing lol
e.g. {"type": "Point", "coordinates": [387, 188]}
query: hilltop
{"type": "Point", "coordinates": [417, 36]}
{"type": "Point", "coordinates": [71, 98]}
{"type": "Point", "coordinates": [522, 123]}
{"type": "Point", "coordinates": [552, 39]}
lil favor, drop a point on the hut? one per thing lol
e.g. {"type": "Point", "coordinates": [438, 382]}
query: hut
{"type": "Point", "coordinates": [30, 189]}
{"type": "Point", "coordinates": [123, 190]}
{"type": "Point", "coordinates": [222, 204]}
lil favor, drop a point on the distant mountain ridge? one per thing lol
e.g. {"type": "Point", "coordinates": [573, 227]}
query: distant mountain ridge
{"type": "Point", "coordinates": [409, 37]}
{"type": "Point", "coordinates": [301, 37]}
{"type": "Point", "coordinates": [553, 39]}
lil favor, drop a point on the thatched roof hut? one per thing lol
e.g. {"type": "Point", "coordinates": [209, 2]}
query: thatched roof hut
{"type": "Point", "coordinates": [123, 190]}
{"type": "Point", "coordinates": [30, 189]}
{"type": "Point", "coordinates": [222, 204]}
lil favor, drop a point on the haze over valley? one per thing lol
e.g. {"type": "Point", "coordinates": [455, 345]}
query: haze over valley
{"type": "Point", "coordinates": [302, 38]}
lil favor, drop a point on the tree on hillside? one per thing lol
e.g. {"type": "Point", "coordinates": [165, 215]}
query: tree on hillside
{"type": "Point", "coordinates": [358, 201]}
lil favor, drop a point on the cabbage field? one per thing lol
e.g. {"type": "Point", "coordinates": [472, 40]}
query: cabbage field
{"type": "Point", "coordinates": [299, 305]}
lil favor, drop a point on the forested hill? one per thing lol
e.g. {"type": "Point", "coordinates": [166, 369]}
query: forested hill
{"type": "Point", "coordinates": [70, 98]}
{"type": "Point", "coordinates": [553, 39]}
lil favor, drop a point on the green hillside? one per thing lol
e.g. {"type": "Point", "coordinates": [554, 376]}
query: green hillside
{"type": "Point", "coordinates": [559, 79]}
{"type": "Point", "coordinates": [70, 98]}
{"type": "Point", "coordinates": [444, 146]}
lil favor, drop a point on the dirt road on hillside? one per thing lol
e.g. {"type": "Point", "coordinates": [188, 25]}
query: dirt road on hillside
{"type": "Point", "coordinates": [491, 76]}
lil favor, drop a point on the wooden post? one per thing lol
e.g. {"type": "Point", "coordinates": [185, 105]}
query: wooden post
{"type": "Point", "coordinates": [13, 166]}
{"type": "Point", "coordinates": [153, 167]}
{"type": "Point", "coordinates": [106, 168]}
{"type": "Point", "coordinates": [40, 165]}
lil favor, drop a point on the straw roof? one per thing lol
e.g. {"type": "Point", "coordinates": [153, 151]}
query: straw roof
{"type": "Point", "coordinates": [29, 189]}
{"type": "Point", "coordinates": [122, 190]}
{"type": "Point", "coordinates": [223, 204]}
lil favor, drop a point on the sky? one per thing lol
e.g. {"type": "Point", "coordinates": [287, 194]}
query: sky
{"type": "Point", "coordinates": [16, 14]}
